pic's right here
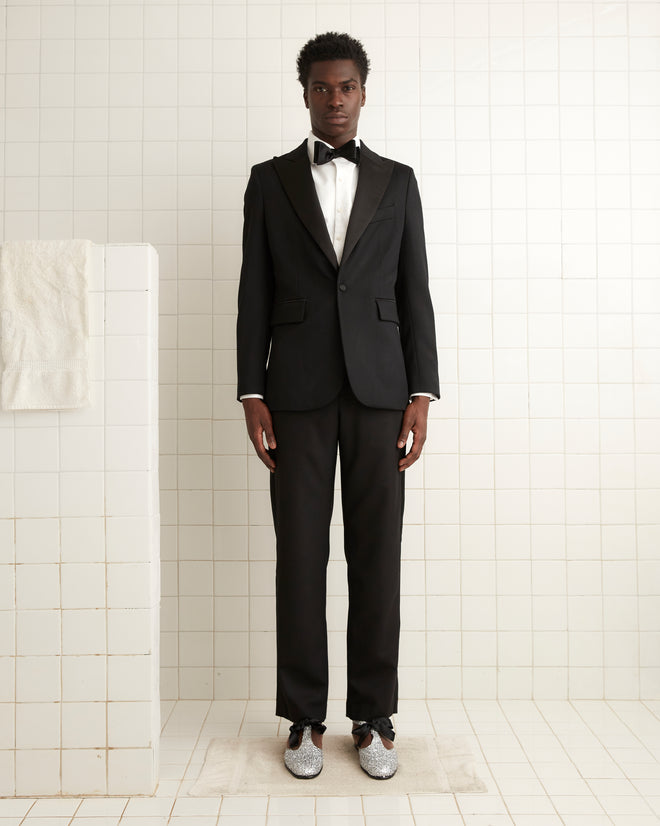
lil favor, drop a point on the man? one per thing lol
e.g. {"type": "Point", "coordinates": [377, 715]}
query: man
{"type": "Point", "coordinates": [336, 348]}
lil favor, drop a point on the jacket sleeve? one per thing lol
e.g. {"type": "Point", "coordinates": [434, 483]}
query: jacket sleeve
{"type": "Point", "coordinates": [255, 294]}
{"type": "Point", "coordinates": [417, 322]}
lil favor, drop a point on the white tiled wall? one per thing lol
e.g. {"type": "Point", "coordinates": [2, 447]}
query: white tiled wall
{"type": "Point", "coordinates": [79, 615]}
{"type": "Point", "coordinates": [532, 561]}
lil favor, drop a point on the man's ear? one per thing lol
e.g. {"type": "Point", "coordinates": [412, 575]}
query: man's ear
{"type": "Point", "coordinates": [305, 98]}
{"type": "Point", "coordinates": [364, 95]}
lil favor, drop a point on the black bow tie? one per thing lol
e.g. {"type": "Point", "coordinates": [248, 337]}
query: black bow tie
{"type": "Point", "coordinates": [323, 153]}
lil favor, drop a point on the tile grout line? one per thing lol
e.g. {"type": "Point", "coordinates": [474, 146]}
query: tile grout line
{"type": "Point", "coordinates": [567, 753]}
{"type": "Point", "coordinates": [530, 762]}
{"type": "Point", "coordinates": [636, 472]}
{"type": "Point", "coordinates": [190, 757]}
{"type": "Point", "coordinates": [485, 759]}
{"type": "Point", "coordinates": [609, 705]}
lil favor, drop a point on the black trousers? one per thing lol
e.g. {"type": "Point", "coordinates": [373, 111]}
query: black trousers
{"type": "Point", "coordinates": [302, 490]}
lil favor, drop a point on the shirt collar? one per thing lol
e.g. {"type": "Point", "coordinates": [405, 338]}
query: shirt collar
{"type": "Point", "coordinates": [310, 145]}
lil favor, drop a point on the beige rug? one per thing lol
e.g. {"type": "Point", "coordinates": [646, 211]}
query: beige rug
{"type": "Point", "coordinates": [253, 766]}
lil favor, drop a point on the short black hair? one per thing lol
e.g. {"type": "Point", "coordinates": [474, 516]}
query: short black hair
{"type": "Point", "coordinates": [332, 46]}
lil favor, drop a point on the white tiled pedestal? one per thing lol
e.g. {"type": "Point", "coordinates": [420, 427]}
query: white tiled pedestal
{"type": "Point", "coordinates": [79, 560]}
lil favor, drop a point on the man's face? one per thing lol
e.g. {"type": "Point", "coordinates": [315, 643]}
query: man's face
{"type": "Point", "coordinates": [334, 97]}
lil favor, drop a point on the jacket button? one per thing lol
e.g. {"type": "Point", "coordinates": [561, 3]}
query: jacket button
{"type": "Point", "coordinates": [343, 287]}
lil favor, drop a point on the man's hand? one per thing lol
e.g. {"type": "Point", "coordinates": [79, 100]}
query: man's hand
{"type": "Point", "coordinates": [259, 424]}
{"type": "Point", "coordinates": [414, 419]}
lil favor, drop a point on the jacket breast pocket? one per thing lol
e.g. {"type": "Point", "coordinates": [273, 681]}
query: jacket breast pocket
{"type": "Point", "coordinates": [385, 213]}
{"type": "Point", "coordinates": [288, 312]}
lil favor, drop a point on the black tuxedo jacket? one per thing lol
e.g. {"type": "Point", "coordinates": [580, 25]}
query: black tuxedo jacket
{"type": "Point", "coordinates": [305, 322]}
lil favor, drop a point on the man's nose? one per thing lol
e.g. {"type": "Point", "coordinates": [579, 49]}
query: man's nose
{"type": "Point", "coordinates": [335, 99]}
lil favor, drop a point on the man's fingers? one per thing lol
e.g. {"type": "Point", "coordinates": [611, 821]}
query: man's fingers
{"type": "Point", "coordinates": [414, 453]}
{"type": "Point", "coordinates": [406, 425]}
{"type": "Point", "coordinates": [262, 453]}
{"type": "Point", "coordinates": [270, 464]}
{"type": "Point", "coordinates": [270, 437]}
{"type": "Point", "coordinates": [260, 425]}
{"type": "Point", "coordinates": [414, 419]}
{"type": "Point", "coordinates": [271, 444]}
{"type": "Point", "coordinates": [409, 459]}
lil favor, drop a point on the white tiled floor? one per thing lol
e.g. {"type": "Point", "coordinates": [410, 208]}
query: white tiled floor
{"type": "Point", "coordinates": [545, 763]}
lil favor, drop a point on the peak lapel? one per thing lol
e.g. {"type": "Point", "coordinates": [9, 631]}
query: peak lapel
{"type": "Point", "coordinates": [374, 176]}
{"type": "Point", "coordinates": [296, 178]}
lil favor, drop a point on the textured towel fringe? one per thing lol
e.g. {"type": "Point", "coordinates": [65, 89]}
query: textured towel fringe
{"type": "Point", "coordinates": [48, 366]}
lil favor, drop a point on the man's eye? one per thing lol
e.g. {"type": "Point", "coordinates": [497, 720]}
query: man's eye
{"type": "Point", "coordinates": [349, 88]}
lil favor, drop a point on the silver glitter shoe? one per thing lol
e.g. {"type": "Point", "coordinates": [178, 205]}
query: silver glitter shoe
{"type": "Point", "coordinates": [305, 761]}
{"type": "Point", "coordinates": [377, 761]}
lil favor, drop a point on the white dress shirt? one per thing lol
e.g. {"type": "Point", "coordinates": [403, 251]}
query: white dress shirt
{"type": "Point", "coordinates": [335, 183]}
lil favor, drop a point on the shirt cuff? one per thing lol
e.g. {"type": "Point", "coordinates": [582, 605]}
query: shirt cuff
{"type": "Point", "coordinates": [258, 396]}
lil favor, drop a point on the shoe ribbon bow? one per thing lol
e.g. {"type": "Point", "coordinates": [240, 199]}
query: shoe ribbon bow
{"type": "Point", "coordinates": [383, 725]}
{"type": "Point", "coordinates": [301, 725]}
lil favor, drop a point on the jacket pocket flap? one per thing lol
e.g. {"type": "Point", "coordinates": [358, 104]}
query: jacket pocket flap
{"type": "Point", "coordinates": [383, 213]}
{"type": "Point", "coordinates": [289, 312]}
{"type": "Point", "coordinates": [387, 310]}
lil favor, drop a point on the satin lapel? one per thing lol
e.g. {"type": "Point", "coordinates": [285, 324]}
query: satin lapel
{"type": "Point", "coordinates": [296, 177]}
{"type": "Point", "coordinates": [375, 174]}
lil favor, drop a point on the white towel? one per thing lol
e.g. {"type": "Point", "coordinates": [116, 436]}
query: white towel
{"type": "Point", "coordinates": [45, 327]}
